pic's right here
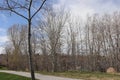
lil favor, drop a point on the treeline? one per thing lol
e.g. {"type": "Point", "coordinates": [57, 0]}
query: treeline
{"type": "Point", "coordinates": [62, 43]}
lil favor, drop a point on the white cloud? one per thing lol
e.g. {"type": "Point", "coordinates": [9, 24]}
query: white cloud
{"type": "Point", "coordinates": [1, 49]}
{"type": "Point", "coordinates": [84, 7]}
{"type": "Point", "coordinates": [3, 36]}
{"type": "Point", "coordinates": [3, 39]}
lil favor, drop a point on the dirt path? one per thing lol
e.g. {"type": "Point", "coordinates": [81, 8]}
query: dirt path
{"type": "Point", "coordinates": [38, 76]}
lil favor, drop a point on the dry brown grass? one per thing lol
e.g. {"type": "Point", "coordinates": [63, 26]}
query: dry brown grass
{"type": "Point", "coordinates": [86, 75]}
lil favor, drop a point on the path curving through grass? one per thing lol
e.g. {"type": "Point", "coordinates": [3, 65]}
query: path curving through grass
{"type": "Point", "coordinates": [37, 75]}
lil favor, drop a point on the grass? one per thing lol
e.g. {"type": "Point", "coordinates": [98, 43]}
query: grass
{"type": "Point", "coordinates": [6, 76]}
{"type": "Point", "coordinates": [3, 68]}
{"type": "Point", "coordinates": [85, 75]}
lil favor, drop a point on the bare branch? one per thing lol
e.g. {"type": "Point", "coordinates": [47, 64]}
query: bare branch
{"type": "Point", "coordinates": [19, 14]}
{"type": "Point", "coordinates": [38, 9]}
{"type": "Point", "coordinates": [12, 9]}
{"type": "Point", "coordinates": [20, 5]}
{"type": "Point", "coordinates": [30, 4]}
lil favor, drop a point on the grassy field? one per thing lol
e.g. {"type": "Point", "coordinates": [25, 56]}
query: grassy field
{"type": "Point", "coordinates": [6, 76]}
{"type": "Point", "coordinates": [86, 75]}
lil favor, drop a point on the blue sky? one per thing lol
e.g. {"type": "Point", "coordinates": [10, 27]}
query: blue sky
{"type": "Point", "coordinates": [7, 21]}
{"type": "Point", "coordinates": [77, 7]}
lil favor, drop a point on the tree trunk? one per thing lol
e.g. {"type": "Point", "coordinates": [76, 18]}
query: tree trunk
{"type": "Point", "coordinates": [30, 51]}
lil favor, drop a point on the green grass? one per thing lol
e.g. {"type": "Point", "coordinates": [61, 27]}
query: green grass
{"type": "Point", "coordinates": [3, 68]}
{"type": "Point", "coordinates": [6, 76]}
{"type": "Point", "coordinates": [85, 75]}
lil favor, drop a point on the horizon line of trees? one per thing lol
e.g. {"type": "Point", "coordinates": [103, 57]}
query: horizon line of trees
{"type": "Point", "coordinates": [61, 42]}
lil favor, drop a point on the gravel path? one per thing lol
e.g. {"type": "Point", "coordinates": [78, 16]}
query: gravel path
{"type": "Point", "coordinates": [38, 76]}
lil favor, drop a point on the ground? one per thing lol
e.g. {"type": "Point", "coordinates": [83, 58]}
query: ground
{"type": "Point", "coordinates": [37, 75]}
{"type": "Point", "coordinates": [72, 75]}
{"type": "Point", "coordinates": [86, 75]}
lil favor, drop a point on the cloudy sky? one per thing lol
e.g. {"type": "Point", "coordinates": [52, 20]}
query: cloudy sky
{"type": "Point", "coordinates": [77, 7]}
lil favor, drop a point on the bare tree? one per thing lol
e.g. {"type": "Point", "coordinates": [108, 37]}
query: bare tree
{"type": "Point", "coordinates": [16, 38]}
{"type": "Point", "coordinates": [54, 22]}
{"type": "Point", "coordinates": [17, 7]}
{"type": "Point", "coordinates": [8, 52]}
{"type": "Point", "coordinates": [73, 43]}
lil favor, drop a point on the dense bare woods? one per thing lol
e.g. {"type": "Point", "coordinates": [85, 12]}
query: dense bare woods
{"type": "Point", "coordinates": [61, 43]}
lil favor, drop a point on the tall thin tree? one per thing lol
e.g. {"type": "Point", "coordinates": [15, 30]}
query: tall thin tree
{"type": "Point", "coordinates": [17, 7]}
